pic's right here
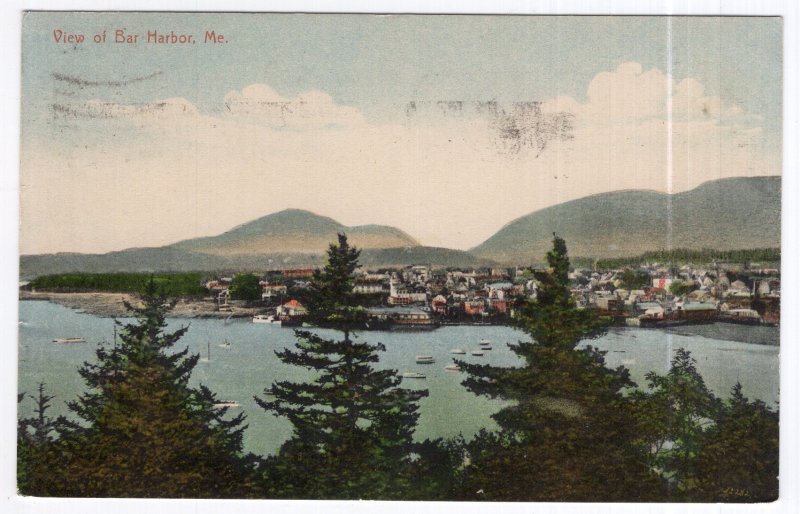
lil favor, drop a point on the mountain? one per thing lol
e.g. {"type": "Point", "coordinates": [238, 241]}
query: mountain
{"type": "Point", "coordinates": [726, 214]}
{"type": "Point", "coordinates": [287, 239]}
{"type": "Point", "coordinates": [166, 259]}
{"type": "Point", "coordinates": [294, 231]}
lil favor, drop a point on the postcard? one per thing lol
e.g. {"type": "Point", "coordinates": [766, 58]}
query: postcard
{"type": "Point", "coordinates": [474, 258]}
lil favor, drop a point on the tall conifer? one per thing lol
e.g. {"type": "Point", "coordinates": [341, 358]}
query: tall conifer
{"type": "Point", "coordinates": [353, 424]}
{"type": "Point", "coordinates": [142, 430]}
{"type": "Point", "coordinates": [567, 434]}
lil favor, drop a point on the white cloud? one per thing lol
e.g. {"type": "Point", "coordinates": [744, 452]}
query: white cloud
{"type": "Point", "coordinates": [630, 94]}
{"type": "Point", "coordinates": [447, 179]}
{"type": "Point", "coordinates": [260, 104]}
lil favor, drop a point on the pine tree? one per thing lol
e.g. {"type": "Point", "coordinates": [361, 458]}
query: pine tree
{"type": "Point", "coordinates": [36, 442]}
{"type": "Point", "coordinates": [737, 459]}
{"type": "Point", "coordinates": [141, 430]}
{"type": "Point", "coordinates": [353, 424]}
{"type": "Point", "coordinates": [332, 302]}
{"type": "Point", "coordinates": [672, 418]}
{"type": "Point", "coordinates": [568, 433]}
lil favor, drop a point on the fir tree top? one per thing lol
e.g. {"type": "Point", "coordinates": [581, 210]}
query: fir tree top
{"type": "Point", "coordinates": [332, 301]}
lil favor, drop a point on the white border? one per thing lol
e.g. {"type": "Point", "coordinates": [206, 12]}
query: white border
{"type": "Point", "coordinates": [10, 37]}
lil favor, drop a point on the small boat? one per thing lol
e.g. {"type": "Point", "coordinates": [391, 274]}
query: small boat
{"type": "Point", "coordinates": [226, 345]}
{"type": "Point", "coordinates": [485, 342]}
{"type": "Point", "coordinates": [412, 374]}
{"type": "Point", "coordinates": [263, 318]}
{"type": "Point", "coordinates": [452, 367]}
{"type": "Point", "coordinates": [227, 404]}
{"type": "Point", "coordinates": [477, 353]}
{"type": "Point", "coordinates": [69, 340]}
{"type": "Point", "coordinates": [458, 351]}
{"type": "Point", "coordinates": [424, 359]}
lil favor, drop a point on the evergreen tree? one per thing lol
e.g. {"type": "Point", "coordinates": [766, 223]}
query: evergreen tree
{"type": "Point", "coordinates": [737, 459]}
{"type": "Point", "coordinates": [353, 424]}
{"type": "Point", "coordinates": [332, 302]}
{"type": "Point", "coordinates": [36, 444]}
{"type": "Point", "coordinates": [41, 428]}
{"type": "Point", "coordinates": [671, 420]}
{"type": "Point", "coordinates": [142, 431]}
{"type": "Point", "coordinates": [709, 450]}
{"type": "Point", "coordinates": [568, 432]}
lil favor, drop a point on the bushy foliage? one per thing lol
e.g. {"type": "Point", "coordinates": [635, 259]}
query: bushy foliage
{"type": "Point", "coordinates": [737, 459]}
{"type": "Point", "coordinates": [635, 279]}
{"type": "Point", "coordinates": [331, 300]}
{"type": "Point", "coordinates": [708, 449]}
{"type": "Point", "coordinates": [352, 424]}
{"type": "Point", "coordinates": [246, 287]}
{"type": "Point", "coordinates": [680, 288]}
{"type": "Point", "coordinates": [567, 435]}
{"type": "Point", "coordinates": [170, 284]}
{"type": "Point", "coordinates": [141, 430]}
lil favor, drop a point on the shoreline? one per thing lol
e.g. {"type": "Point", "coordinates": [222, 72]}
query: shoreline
{"type": "Point", "coordinates": [110, 305]}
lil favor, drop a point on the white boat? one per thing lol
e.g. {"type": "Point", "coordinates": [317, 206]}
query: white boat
{"type": "Point", "coordinates": [424, 359]}
{"type": "Point", "coordinates": [412, 374]}
{"type": "Point", "coordinates": [229, 404]}
{"type": "Point", "coordinates": [69, 340]}
{"type": "Point", "coordinates": [477, 353]}
{"type": "Point", "coordinates": [452, 367]}
{"type": "Point", "coordinates": [458, 351]}
{"type": "Point", "coordinates": [226, 345]}
{"type": "Point", "coordinates": [263, 318]}
{"type": "Point", "coordinates": [485, 342]}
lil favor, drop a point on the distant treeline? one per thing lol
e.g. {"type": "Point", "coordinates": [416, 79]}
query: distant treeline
{"type": "Point", "coordinates": [170, 284]}
{"type": "Point", "coordinates": [685, 256]}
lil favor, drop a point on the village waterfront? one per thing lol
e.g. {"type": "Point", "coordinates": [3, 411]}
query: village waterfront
{"type": "Point", "coordinates": [242, 363]}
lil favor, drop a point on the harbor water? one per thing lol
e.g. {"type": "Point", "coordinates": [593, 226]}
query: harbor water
{"type": "Point", "coordinates": [238, 361]}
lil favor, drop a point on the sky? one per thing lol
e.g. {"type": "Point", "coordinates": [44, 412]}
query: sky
{"type": "Point", "coordinates": [447, 127]}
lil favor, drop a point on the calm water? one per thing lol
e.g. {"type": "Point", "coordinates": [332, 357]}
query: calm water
{"type": "Point", "coordinates": [249, 364]}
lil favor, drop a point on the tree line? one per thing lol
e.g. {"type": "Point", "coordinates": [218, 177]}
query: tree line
{"type": "Point", "coordinates": [573, 429]}
{"type": "Point", "coordinates": [681, 256]}
{"type": "Point", "coordinates": [170, 284]}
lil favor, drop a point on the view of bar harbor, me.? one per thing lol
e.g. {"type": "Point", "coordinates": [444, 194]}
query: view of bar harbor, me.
{"type": "Point", "coordinates": [437, 258]}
